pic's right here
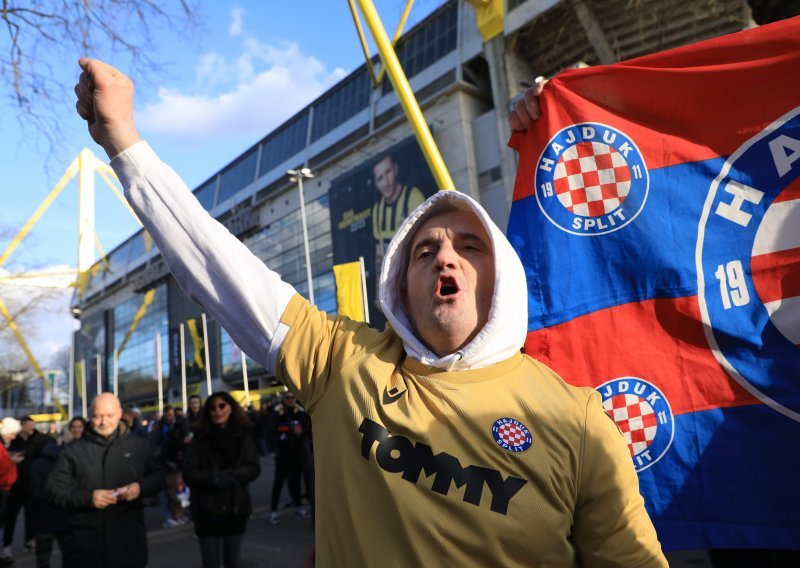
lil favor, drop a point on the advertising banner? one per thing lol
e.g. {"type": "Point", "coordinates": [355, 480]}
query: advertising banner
{"type": "Point", "coordinates": [368, 204]}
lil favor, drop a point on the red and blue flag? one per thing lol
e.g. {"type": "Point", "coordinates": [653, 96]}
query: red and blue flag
{"type": "Point", "coordinates": [657, 214]}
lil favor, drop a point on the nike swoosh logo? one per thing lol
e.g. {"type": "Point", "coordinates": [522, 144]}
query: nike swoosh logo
{"type": "Point", "coordinates": [392, 396]}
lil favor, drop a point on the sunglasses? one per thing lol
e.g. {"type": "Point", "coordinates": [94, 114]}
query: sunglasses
{"type": "Point", "coordinates": [288, 398]}
{"type": "Point", "coordinates": [219, 406]}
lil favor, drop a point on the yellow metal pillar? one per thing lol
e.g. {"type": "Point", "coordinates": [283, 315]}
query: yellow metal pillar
{"type": "Point", "coordinates": [406, 96]}
{"type": "Point", "coordinates": [68, 175]}
{"type": "Point", "coordinates": [377, 79]}
{"type": "Point", "coordinates": [86, 168]}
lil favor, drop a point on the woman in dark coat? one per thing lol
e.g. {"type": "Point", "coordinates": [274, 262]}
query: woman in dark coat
{"type": "Point", "coordinates": [220, 463]}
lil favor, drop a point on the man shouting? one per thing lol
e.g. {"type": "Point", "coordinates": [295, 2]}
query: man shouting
{"type": "Point", "coordinates": [436, 441]}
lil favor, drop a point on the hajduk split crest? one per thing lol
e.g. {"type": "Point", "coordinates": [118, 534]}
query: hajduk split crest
{"type": "Point", "coordinates": [511, 435]}
{"type": "Point", "coordinates": [643, 414]}
{"type": "Point", "coordinates": [591, 179]}
{"type": "Point", "coordinates": [748, 265]}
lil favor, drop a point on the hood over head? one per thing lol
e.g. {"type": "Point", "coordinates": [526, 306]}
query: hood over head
{"type": "Point", "coordinates": [504, 332]}
{"type": "Point", "coordinates": [10, 426]}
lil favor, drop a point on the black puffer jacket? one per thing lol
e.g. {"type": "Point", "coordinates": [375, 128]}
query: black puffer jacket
{"type": "Point", "coordinates": [43, 516]}
{"type": "Point", "coordinates": [114, 536]}
{"type": "Point", "coordinates": [218, 467]}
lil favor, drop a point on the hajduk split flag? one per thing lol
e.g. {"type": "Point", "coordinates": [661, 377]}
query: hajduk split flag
{"type": "Point", "coordinates": [657, 213]}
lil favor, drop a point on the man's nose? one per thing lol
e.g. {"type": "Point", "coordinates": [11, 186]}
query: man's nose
{"type": "Point", "coordinates": [446, 256]}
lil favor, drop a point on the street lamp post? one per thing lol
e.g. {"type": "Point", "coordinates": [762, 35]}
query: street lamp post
{"type": "Point", "coordinates": [298, 175]}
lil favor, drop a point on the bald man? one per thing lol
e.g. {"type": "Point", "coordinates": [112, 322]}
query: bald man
{"type": "Point", "coordinates": [101, 479]}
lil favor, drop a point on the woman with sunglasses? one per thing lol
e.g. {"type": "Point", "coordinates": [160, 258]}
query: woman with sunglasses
{"type": "Point", "coordinates": [220, 463]}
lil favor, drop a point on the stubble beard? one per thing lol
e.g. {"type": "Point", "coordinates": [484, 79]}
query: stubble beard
{"type": "Point", "coordinates": [453, 321]}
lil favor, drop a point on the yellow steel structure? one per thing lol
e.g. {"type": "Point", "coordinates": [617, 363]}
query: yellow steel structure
{"type": "Point", "coordinates": [377, 79]}
{"type": "Point", "coordinates": [404, 93]}
{"type": "Point", "coordinates": [85, 166]}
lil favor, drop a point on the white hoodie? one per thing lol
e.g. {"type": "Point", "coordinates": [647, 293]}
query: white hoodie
{"type": "Point", "coordinates": [504, 332]}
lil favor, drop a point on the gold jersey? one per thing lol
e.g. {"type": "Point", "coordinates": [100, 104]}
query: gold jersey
{"type": "Point", "coordinates": [506, 465]}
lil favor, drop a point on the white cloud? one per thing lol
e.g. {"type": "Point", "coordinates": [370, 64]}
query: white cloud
{"type": "Point", "coordinates": [210, 71]}
{"type": "Point", "coordinates": [248, 95]}
{"type": "Point", "coordinates": [236, 25]}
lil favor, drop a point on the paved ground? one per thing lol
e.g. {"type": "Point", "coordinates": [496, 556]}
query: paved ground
{"type": "Point", "coordinates": [285, 545]}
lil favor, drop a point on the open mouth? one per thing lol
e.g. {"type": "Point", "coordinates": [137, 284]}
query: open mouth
{"type": "Point", "coordinates": [447, 286]}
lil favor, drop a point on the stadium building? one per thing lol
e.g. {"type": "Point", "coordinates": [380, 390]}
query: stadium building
{"type": "Point", "coordinates": [357, 142]}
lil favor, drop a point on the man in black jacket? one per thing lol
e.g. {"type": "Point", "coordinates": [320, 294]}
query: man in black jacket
{"type": "Point", "coordinates": [101, 479]}
{"type": "Point", "coordinates": [291, 434]}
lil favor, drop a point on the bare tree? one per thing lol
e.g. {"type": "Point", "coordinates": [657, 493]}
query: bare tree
{"type": "Point", "coordinates": [22, 304]}
{"type": "Point", "coordinates": [60, 359]}
{"type": "Point", "coordinates": [25, 302]}
{"type": "Point", "coordinates": [28, 307]}
{"type": "Point", "coordinates": [38, 27]}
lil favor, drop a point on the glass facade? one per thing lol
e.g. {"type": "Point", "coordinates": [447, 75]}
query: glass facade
{"type": "Point", "coordinates": [280, 246]}
{"type": "Point", "coordinates": [343, 101]}
{"type": "Point", "coordinates": [284, 143]}
{"type": "Point", "coordinates": [193, 349]}
{"type": "Point", "coordinates": [205, 194]}
{"type": "Point", "coordinates": [90, 341]}
{"type": "Point", "coordinates": [137, 321]}
{"type": "Point", "coordinates": [231, 357]}
{"type": "Point", "coordinates": [140, 245]}
{"type": "Point", "coordinates": [238, 175]}
{"type": "Point", "coordinates": [118, 260]}
{"type": "Point", "coordinates": [428, 43]}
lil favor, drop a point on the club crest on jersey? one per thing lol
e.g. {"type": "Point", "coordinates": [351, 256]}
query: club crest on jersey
{"type": "Point", "coordinates": [644, 416]}
{"type": "Point", "coordinates": [749, 265]}
{"type": "Point", "coordinates": [591, 179]}
{"type": "Point", "coordinates": [511, 435]}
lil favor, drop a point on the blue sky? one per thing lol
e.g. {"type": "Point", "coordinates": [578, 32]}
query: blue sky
{"type": "Point", "coordinates": [252, 65]}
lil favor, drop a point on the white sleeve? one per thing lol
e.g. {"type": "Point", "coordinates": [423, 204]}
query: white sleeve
{"type": "Point", "coordinates": [214, 268]}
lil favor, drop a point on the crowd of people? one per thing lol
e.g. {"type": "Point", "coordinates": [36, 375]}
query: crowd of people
{"type": "Point", "coordinates": [27, 457]}
{"type": "Point", "coordinates": [86, 486]}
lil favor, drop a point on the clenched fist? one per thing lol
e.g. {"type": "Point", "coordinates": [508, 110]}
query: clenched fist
{"type": "Point", "coordinates": [105, 102]}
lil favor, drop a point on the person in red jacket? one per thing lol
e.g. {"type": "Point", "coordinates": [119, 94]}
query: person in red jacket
{"type": "Point", "coordinates": [9, 428]}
